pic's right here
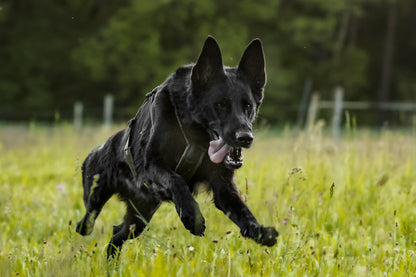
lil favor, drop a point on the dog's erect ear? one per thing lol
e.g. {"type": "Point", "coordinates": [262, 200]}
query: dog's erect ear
{"type": "Point", "coordinates": [252, 67]}
{"type": "Point", "coordinates": [209, 67]}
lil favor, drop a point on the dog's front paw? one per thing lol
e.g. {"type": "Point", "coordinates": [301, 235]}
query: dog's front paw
{"type": "Point", "coordinates": [268, 236]}
{"type": "Point", "coordinates": [194, 222]}
{"type": "Point", "coordinates": [86, 225]}
{"type": "Point", "coordinates": [199, 225]}
{"type": "Point", "coordinates": [263, 235]}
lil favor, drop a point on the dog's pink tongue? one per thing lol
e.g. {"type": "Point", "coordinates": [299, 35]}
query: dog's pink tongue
{"type": "Point", "coordinates": [218, 150]}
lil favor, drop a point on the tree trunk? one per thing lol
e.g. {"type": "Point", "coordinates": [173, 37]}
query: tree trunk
{"type": "Point", "coordinates": [342, 32]}
{"type": "Point", "coordinates": [383, 93]}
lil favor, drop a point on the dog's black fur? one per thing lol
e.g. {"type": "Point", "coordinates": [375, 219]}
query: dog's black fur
{"type": "Point", "coordinates": [210, 100]}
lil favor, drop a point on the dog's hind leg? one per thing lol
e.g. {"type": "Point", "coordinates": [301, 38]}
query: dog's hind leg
{"type": "Point", "coordinates": [96, 194]}
{"type": "Point", "coordinates": [139, 212]}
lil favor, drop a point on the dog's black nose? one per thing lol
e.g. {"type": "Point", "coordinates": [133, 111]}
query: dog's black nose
{"type": "Point", "coordinates": [244, 139]}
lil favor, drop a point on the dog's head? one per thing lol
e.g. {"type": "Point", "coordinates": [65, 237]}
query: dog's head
{"type": "Point", "coordinates": [226, 100]}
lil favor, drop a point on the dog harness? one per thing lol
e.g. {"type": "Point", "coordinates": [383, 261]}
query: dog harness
{"type": "Point", "coordinates": [191, 157]}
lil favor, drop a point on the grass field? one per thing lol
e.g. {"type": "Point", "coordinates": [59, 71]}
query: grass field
{"type": "Point", "coordinates": [344, 208]}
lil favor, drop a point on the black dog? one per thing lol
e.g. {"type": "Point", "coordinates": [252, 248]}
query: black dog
{"type": "Point", "coordinates": [189, 130]}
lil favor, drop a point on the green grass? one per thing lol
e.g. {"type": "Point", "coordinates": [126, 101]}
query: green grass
{"type": "Point", "coordinates": [344, 208]}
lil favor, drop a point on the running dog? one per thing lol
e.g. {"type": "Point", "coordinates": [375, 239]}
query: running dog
{"type": "Point", "coordinates": [191, 129]}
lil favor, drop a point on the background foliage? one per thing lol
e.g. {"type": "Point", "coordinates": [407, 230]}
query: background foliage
{"type": "Point", "coordinates": [56, 52]}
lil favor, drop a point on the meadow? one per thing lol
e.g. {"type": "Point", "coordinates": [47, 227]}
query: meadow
{"type": "Point", "coordinates": [342, 208]}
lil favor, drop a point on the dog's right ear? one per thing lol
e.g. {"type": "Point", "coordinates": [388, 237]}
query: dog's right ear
{"type": "Point", "coordinates": [208, 68]}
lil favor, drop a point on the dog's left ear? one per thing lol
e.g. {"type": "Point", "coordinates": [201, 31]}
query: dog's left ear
{"type": "Point", "coordinates": [208, 68]}
{"type": "Point", "coordinates": [252, 67]}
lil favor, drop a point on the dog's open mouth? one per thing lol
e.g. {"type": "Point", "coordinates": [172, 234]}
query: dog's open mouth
{"type": "Point", "coordinates": [219, 151]}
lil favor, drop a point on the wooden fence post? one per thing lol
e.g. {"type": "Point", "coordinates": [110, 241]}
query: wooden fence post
{"type": "Point", "coordinates": [304, 102]}
{"type": "Point", "coordinates": [313, 110]}
{"type": "Point", "coordinates": [108, 110]}
{"type": "Point", "coordinates": [78, 110]}
{"type": "Point", "coordinates": [338, 106]}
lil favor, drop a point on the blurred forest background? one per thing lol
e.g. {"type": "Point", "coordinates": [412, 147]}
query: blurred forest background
{"type": "Point", "coordinates": [53, 53]}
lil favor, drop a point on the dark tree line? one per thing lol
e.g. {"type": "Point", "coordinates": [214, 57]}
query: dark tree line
{"type": "Point", "coordinates": [53, 53]}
